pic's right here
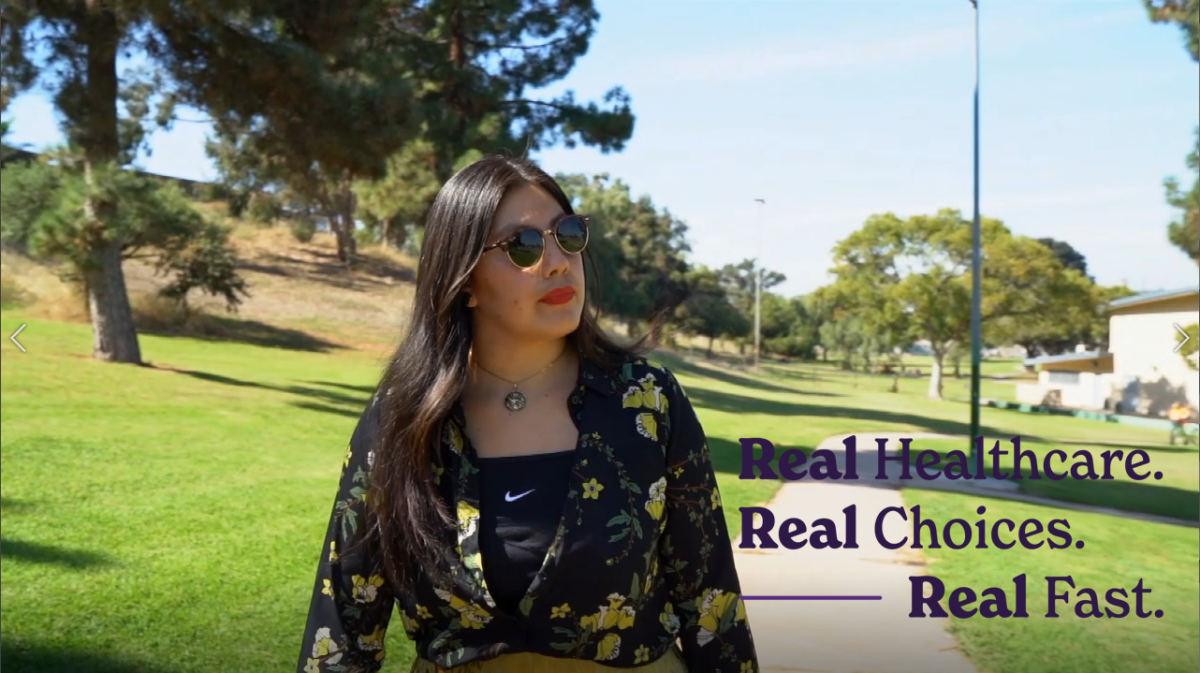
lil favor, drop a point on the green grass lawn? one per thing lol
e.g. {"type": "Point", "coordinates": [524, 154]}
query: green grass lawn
{"type": "Point", "coordinates": [1117, 553]}
{"type": "Point", "coordinates": [1174, 495]}
{"type": "Point", "coordinates": [167, 519]}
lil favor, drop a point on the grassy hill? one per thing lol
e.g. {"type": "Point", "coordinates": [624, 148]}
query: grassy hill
{"type": "Point", "coordinates": [301, 296]}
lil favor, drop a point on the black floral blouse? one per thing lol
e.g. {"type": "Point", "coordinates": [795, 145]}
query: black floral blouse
{"type": "Point", "coordinates": [642, 556]}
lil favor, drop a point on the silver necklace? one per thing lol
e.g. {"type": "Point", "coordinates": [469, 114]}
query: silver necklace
{"type": "Point", "coordinates": [515, 400]}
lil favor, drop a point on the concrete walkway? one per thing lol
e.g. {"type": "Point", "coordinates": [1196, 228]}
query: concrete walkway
{"type": "Point", "coordinates": [870, 636]}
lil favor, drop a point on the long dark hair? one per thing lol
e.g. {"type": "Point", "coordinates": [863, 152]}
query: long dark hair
{"type": "Point", "coordinates": [408, 523]}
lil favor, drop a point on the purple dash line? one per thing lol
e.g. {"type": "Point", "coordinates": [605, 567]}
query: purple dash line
{"type": "Point", "coordinates": [812, 598]}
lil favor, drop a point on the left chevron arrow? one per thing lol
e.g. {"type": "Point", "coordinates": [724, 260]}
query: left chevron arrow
{"type": "Point", "coordinates": [13, 338]}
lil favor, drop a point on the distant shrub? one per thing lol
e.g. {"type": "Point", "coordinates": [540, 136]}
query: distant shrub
{"type": "Point", "coordinates": [160, 314]}
{"type": "Point", "coordinates": [303, 229]}
{"type": "Point", "coordinates": [264, 208]}
{"type": "Point", "coordinates": [365, 237]}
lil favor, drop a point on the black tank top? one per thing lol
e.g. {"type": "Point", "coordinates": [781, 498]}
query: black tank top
{"type": "Point", "coordinates": [522, 500]}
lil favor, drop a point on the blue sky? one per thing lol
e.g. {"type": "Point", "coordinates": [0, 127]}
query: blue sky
{"type": "Point", "coordinates": [832, 110]}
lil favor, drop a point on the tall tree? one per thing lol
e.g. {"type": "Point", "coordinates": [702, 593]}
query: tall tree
{"type": "Point", "coordinates": [304, 70]}
{"type": "Point", "coordinates": [739, 281]}
{"type": "Point", "coordinates": [1067, 255]}
{"type": "Point", "coordinates": [1183, 13]}
{"type": "Point", "coordinates": [1183, 232]}
{"type": "Point", "coordinates": [917, 272]}
{"type": "Point", "coordinates": [638, 252]}
{"type": "Point", "coordinates": [707, 311]}
{"type": "Point", "coordinates": [476, 61]}
{"type": "Point", "coordinates": [473, 64]}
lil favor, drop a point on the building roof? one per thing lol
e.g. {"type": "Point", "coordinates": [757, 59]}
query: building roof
{"type": "Point", "coordinates": [1151, 297]}
{"type": "Point", "coordinates": [1067, 357]}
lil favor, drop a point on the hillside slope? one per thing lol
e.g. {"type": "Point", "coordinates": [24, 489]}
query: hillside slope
{"type": "Point", "coordinates": [301, 296]}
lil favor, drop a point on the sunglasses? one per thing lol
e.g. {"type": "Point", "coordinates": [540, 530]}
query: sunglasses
{"type": "Point", "coordinates": [526, 246]}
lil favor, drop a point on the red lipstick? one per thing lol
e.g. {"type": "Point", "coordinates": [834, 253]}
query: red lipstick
{"type": "Point", "coordinates": [561, 295]}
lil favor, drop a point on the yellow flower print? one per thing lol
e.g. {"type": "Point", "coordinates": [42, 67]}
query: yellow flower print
{"type": "Point", "coordinates": [560, 612]}
{"type": "Point", "coordinates": [366, 590]}
{"type": "Point", "coordinates": [608, 648]}
{"type": "Point", "coordinates": [747, 667]}
{"type": "Point", "coordinates": [669, 619]}
{"type": "Point", "coordinates": [716, 498]}
{"type": "Point", "coordinates": [592, 488]}
{"type": "Point", "coordinates": [423, 612]}
{"type": "Point", "coordinates": [312, 666]}
{"type": "Point", "coordinates": [328, 588]}
{"type": "Point", "coordinates": [647, 425]}
{"type": "Point", "coordinates": [658, 498]}
{"type": "Point", "coordinates": [346, 460]}
{"type": "Point", "coordinates": [333, 555]}
{"type": "Point", "coordinates": [713, 606]}
{"type": "Point", "coordinates": [437, 474]}
{"type": "Point", "coordinates": [373, 642]}
{"type": "Point", "coordinates": [614, 615]}
{"type": "Point", "coordinates": [641, 655]}
{"type": "Point", "coordinates": [678, 472]}
{"type": "Point", "coordinates": [323, 646]}
{"type": "Point", "coordinates": [469, 616]}
{"type": "Point", "coordinates": [468, 519]}
{"type": "Point", "coordinates": [454, 437]}
{"type": "Point", "coordinates": [645, 395]}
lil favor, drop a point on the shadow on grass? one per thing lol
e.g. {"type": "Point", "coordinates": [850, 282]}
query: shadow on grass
{"type": "Point", "coordinates": [252, 332]}
{"type": "Point", "coordinates": [325, 408]}
{"type": "Point", "coordinates": [678, 364]}
{"type": "Point", "coordinates": [1162, 448]}
{"type": "Point", "coordinates": [1128, 496]}
{"type": "Point", "coordinates": [317, 399]}
{"type": "Point", "coordinates": [34, 552]}
{"type": "Point", "coordinates": [365, 390]}
{"type": "Point", "coordinates": [1135, 497]}
{"type": "Point", "coordinates": [22, 657]}
{"type": "Point", "coordinates": [12, 506]}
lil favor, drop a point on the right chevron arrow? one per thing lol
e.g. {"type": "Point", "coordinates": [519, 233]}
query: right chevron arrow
{"type": "Point", "coordinates": [1186, 338]}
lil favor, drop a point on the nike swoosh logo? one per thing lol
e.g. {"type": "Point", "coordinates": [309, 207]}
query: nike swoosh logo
{"type": "Point", "coordinates": [509, 497]}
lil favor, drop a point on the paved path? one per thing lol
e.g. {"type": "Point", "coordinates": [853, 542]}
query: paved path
{"type": "Point", "coordinates": [843, 636]}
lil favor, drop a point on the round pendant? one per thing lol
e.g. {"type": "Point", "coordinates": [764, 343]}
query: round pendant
{"type": "Point", "coordinates": [514, 401]}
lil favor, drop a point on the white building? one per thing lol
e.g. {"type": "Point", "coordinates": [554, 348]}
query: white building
{"type": "Point", "coordinates": [1148, 374]}
{"type": "Point", "coordinates": [1140, 373]}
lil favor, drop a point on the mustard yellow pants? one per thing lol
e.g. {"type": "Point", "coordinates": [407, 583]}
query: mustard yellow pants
{"type": "Point", "coordinates": [526, 662]}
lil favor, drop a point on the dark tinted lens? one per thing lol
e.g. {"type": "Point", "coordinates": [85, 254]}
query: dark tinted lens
{"type": "Point", "coordinates": [572, 234]}
{"type": "Point", "coordinates": [526, 249]}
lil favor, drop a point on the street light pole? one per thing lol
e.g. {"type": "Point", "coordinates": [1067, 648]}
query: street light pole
{"type": "Point", "coordinates": [758, 284]}
{"type": "Point", "coordinates": [976, 268]}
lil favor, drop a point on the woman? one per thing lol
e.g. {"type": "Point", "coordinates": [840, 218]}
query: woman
{"type": "Point", "coordinates": [539, 499]}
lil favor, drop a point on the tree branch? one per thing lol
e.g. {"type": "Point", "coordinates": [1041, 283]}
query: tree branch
{"type": "Point", "coordinates": [518, 101]}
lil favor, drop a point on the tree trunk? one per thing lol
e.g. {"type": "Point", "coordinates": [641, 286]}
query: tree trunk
{"type": "Point", "coordinates": [958, 369]}
{"type": "Point", "coordinates": [337, 203]}
{"type": "Point", "coordinates": [114, 335]}
{"type": "Point", "coordinates": [709, 353]}
{"type": "Point", "coordinates": [935, 375]}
